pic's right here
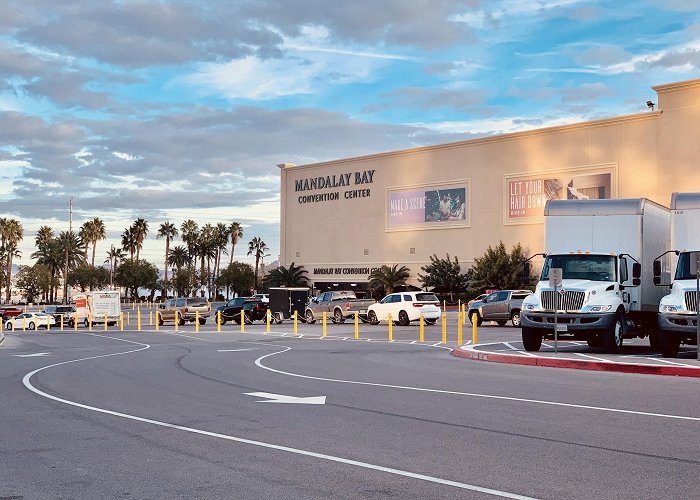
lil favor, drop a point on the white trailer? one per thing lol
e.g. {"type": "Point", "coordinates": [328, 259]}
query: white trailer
{"type": "Point", "coordinates": [678, 310]}
{"type": "Point", "coordinates": [605, 249]}
{"type": "Point", "coordinates": [93, 306]}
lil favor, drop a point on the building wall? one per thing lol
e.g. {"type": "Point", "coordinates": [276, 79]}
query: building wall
{"type": "Point", "coordinates": [649, 155]}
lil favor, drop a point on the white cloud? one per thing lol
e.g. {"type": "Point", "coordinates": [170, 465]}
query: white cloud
{"type": "Point", "coordinates": [126, 156]}
{"type": "Point", "coordinates": [504, 125]}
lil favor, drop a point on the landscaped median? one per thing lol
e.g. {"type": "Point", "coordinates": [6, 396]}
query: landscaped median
{"type": "Point", "coordinates": [471, 352]}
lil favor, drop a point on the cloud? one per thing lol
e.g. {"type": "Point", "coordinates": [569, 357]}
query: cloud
{"type": "Point", "coordinates": [426, 99]}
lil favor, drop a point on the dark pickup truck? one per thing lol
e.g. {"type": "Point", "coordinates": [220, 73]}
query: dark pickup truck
{"type": "Point", "coordinates": [499, 306]}
{"type": "Point", "coordinates": [254, 309]}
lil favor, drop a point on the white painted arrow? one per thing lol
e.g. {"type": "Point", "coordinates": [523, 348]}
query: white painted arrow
{"type": "Point", "coordinates": [35, 355]}
{"type": "Point", "coordinates": [280, 398]}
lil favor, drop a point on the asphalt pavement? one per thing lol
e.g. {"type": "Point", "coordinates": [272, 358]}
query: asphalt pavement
{"type": "Point", "coordinates": [251, 414]}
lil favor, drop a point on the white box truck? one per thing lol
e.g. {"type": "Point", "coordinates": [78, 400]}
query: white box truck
{"type": "Point", "coordinates": [605, 249]}
{"type": "Point", "coordinates": [678, 310]}
{"type": "Point", "coordinates": [95, 305]}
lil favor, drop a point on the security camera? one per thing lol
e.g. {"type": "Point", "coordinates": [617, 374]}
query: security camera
{"type": "Point", "coordinates": [651, 105]}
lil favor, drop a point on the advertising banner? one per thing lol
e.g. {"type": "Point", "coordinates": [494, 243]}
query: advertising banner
{"type": "Point", "coordinates": [428, 206]}
{"type": "Point", "coordinates": [527, 194]}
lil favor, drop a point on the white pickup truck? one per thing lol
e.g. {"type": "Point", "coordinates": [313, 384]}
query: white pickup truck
{"type": "Point", "coordinates": [339, 304]}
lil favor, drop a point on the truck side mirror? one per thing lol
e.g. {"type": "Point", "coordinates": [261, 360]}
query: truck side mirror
{"type": "Point", "coordinates": [526, 273]}
{"type": "Point", "coordinates": [657, 272]}
{"type": "Point", "coordinates": [636, 270]}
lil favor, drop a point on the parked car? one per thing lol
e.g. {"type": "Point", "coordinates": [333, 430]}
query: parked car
{"type": "Point", "coordinates": [187, 309]}
{"type": "Point", "coordinates": [263, 297]}
{"type": "Point", "coordinates": [253, 309]}
{"type": "Point", "coordinates": [29, 321]}
{"type": "Point", "coordinates": [9, 311]}
{"type": "Point", "coordinates": [68, 313]}
{"type": "Point", "coordinates": [477, 299]}
{"type": "Point", "coordinates": [405, 307]}
{"type": "Point", "coordinates": [499, 306]}
{"type": "Point", "coordinates": [338, 304]}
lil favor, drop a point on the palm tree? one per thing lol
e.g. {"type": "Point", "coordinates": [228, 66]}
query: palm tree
{"type": "Point", "coordinates": [129, 242]}
{"type": "Point", "coordinates": [189, 231]}
{"type": "Point", "coordinates": [168, 231]}
{"type": "Point", "coordinates": [257, 247]}
{"type": "Point", "coordinates": [389, 277]}
{"type": "Point", "coordinates": [11, 233]}
{"type": "Point", "coordinates": [71, 246]}
{"type": "Point", "coordinates": [114, 256]}
{"type": "Point", "coordinates": [43, 240]}
{"type": "Point", "coordinates": [235, 231]}
{"type": "Point", "coordinates": [97, 232]}
{"type": "Point", "coordinates": [179, 257]}
{"type": "Point", "coordinates": [221, 239]}
{"type": "Point", "coordinates": [287, 276]}
{"type": "Point", "coordinates": [140, 229]}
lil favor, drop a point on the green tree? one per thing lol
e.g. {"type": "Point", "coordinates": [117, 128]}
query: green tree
{"type": "Point", "coordinates": [238, 277]}
{"type": "Point", "coordinates": [388, 278]}
{"type": "Point", "coordinates": [498, 269]}
{"type": "Point", "coordinates": [11, 233]}
{"type": "Point", "coordinates": [140, 230]}
{"type": "Point", "coordinates": [184, 280]}
{"type": "Point", "coordinates": [71, 247]}
{"type": "Point", "coordinates": [168, 231]}
{"type": "Point", "coordinates": [443, 275]}
{"type": "Point", "coordinates": [33, 280]}
{"type": "Point", "coordinates": [235, 231]}
{"type": "Point", "coordinates": [286, 276]}
{"type": "Point", "coordinates": [89, 277]}
{"type": "Point", "coordinates": [133, 275]}
{"type": "Point", "coordinates": [257, 247]}
{"type": "Point", "coordinates": [114, 257]}
{"type": "Point", "coordinates": [129, 242]}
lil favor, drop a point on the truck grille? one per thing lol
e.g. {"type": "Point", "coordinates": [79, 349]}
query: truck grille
{"type": "Point", "coordinates": [691, 301]}
{"type": "Point", "coordinates": [568, 301]}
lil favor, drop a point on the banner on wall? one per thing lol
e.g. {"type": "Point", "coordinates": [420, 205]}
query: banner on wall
{"type": "Point", "coordinates": [428, 206]}
{"type": "Point", "coordinates": [526, 195]}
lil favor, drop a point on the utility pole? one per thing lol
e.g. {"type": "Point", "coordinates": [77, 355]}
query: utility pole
{"type": "Point", "coordinates": [67, 242]}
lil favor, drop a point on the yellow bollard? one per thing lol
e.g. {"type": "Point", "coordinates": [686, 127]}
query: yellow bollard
{"type": "Point", "coordinates": [90, 322]}
{"type": "Point", "coordinates": [138, 319]}
{"type": "Point", "coordinates": [121, 321]}
{"type": "Point", "coordinates": [357, 325]}
{"type": "Point", "coordinates": [421, 330]}
{"type": "Point", "coordinates": [325, 331]}
{"type": "Point", "coordinates": [48, 324]}
{"type": "Point", "coordinates": [61, 322]}
{"type": "Point", "coordinates": [460, 318]}
{"type": "Point", "coordinates": [75, 321]}
{"type": "Point", "coordinates": [196, 321]}
{"type": "Point", "coordinates": [128, 318]}
{"type": "Point", "coordinates": [268, 318]}
{"type": "Point", "coordinates": [444, 328]}
{"type": "Point", "coordinates": [157, 322]}
{"type": "Point", "coordinates": [391, 329]}
{"type": "Point", "coordinates": [296, 324]}
{"type": "Point", "coordinates": [177, 320]}
{"type": "Point", "coordinates": [24, 323]}
{"type": "Point", "coordinates": [150, 318]}
{"type": "Point", "coordinates": [36, 326]}
{"type": "Point", "coordinates": [474, 333]}
{"type": "Point", "coordinates": [242, 321]}
{"type": "Point", "coordinates": [13, 326]}
{"type": "Point", "coordinates": [218, 321]}
{"type": "Point", "coordinates": [444, 306]}
{"type": "Point", "coordinates": [105, 322]}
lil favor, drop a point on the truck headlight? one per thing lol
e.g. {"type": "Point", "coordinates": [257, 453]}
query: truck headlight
{"type": "Point", "coordinates": [599, 309]}
{"type": "Point", "coordinates": [669, 308]}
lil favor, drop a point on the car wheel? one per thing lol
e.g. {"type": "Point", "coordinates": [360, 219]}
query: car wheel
{"type": "Point", "coordinates": [8, 326]}
{"type": "Point", "coordinates": [159, 319]}
{"type": "Point", "coordinates": [475, 318]}
{"type": "Point", "coordinates": [180, 320]}
{"type": "Point", "coordinates": [515, 318]}
{"type": "Point", "coordinates": [501, 322]}
{"type": "Point", "coordinates": [612, 338]}
{"type": "Point", "coordinates": [278, 318]}
{"type": "Point", "coordinates": [372, 318]}
{"type": "Point", "coordinates": [532, 339]}
{"type": "Point", "coordinates": [670, 343]}
{"type": "Point", "coordinates": [223, 320]}
{"type": "Point", "coordinates": [86, 323]}
{"type": "Point", "coordinates": [202, 321]}
{"type": "Point", "coordinates": [338, 316]}
{"type": "Point", "coordinates": [31, 325]}
{"type": "Point", "coordinates": [310, 317]}
{"type": "Point", "coordinates": [403, 318]}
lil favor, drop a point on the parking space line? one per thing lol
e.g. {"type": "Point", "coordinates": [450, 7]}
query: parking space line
{"type": "Point", "coordinates": [593, 357]}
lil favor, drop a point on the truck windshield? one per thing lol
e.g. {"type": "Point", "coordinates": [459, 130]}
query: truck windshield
{"type": "Point", "coordinates": [581, 267]}
{"type": "Point", "coordinates": [683, 268]}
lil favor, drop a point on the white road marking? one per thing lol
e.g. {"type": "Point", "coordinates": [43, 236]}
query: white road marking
{"type": "Point", "coordinates": [26, 380]}
{"type": "Point", "coordinates": [593, 357]}
{"type": "Point", "coordinates": [281, 398]}
{"type": "Point", "coordinates": [435, 344]}
{"type": "Point", "coordinates": [519, 351]}
{"type": "Point", "coordinates": [258, 362]}
{"type": "Point", "coordinates": [674, 363]}
{"type": "Point", "coordinates": [233, 350]}
{"type": "Point", "coordinates": [35, 355]}
{"type": "Point", "coordinates": [186, 336]}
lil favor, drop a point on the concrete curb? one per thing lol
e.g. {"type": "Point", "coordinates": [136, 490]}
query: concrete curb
{"type": "Point", "coordinates": [577, 364]}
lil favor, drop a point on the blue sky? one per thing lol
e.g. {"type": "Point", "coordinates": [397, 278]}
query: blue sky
{"type": "Point", "coordinates": [169, 110]}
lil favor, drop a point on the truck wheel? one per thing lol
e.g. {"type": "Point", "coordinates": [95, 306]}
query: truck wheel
{"type": "Point", "coordinates": [475, 318]}
{"type": "Point", "coordinates": [159, 319]}
{"type": "Point", "coordinates": [181, 320]}
{"type": "Point", "coordinates": [202, 321]}
{"type": "Point", "coordinates": [278, 318]}
{"type": "Point", "coordinates": [654, 340]}
{"type": "Point", "coordinates": [403, 318]}
{"type": "Point", "coordinates": [594, 341]}
{"type": "Point", "coordinates": [310, 317]}
{"type": "Point", "coordinates": [86, 323]}
{"type": "Point", "coordinates": [532, 339]}
{"type": "Point", "coordinates": [670, 343]}
{"type": "Point", "coordinates": [247, 318]}
{"type": "Point", "coordinates": [612, 338]}
{"type": "Point", "coordinates": [501, 322]}
{"type": "Point", "coordinates": [223, 320]}
{"type": "Point", "coordinates": [372, 318]}
{"type": "Point", "coordinates": [515, 318]}
{"type": "Point", "coordinates": [338, 316]}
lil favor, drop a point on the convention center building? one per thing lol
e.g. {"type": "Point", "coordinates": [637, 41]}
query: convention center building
{"type": "Point", "coordinates": [341, 219]}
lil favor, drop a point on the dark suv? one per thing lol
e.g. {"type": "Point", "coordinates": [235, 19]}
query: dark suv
{"type": "Point", "coordinates": [254, 309]}
{"type": "Point", "coordinates": [188, 309]}
{"type": "Point", "coordinates": [68, 313]}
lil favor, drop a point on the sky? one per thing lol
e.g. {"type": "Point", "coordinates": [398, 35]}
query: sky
{"type": "Point", "coordinates": [170, 110]}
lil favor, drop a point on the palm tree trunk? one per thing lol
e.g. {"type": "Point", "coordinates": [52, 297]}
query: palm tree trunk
{"type": "Point", "coordinates": [94, 247]}
{"type": "Point", "coordinates": [230, 261]}
{"type": "Point", "coordinates": [8, 291]}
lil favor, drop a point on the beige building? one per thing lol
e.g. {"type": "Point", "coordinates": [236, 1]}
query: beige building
{"type": "Point", "coordinates": [340, 219]}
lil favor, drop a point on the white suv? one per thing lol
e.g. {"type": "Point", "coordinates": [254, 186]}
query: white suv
{"type": "Point", "coordinates": [405, 307]}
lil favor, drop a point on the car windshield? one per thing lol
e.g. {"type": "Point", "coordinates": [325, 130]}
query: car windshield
{"type": "Point", "coordinates": [581, 267]}
{"type": "Point", "coordinates": [238, 301]}
{"type": "Point", "coordinates": [683, 267]}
